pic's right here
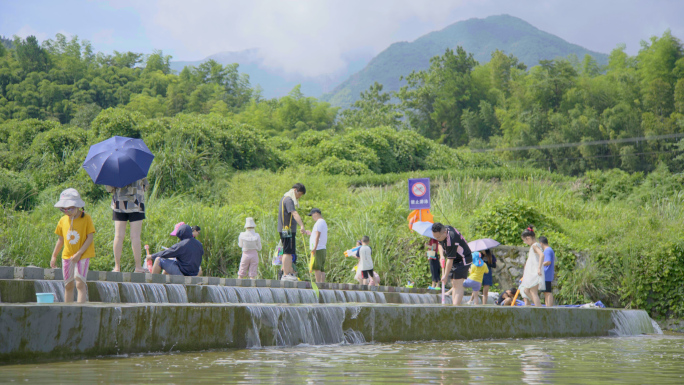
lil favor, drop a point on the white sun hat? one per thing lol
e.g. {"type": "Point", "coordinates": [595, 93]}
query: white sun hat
{"type": "Point", "coordinates": [70, 198]}
{"type": "Point", "coordinates": [249, 223]}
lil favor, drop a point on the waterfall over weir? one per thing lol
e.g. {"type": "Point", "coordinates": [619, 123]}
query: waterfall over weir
{"type": "Point", "coordinates": [54, 287]}
{"type": "Point", "coordinates": [631, 323]}
{"type": "Point", "coordinates": [152, 293]}
{"type": "Point", "coordinates": [109, 291]}
{"type": "Point", "coordinates": [176, 293]}
{"type": "Point", "coordinates": [133, 292]}
{"type": "Point", "coordinates": [222, 294]}
{"type": "Point", "coordinates": [291, 326]}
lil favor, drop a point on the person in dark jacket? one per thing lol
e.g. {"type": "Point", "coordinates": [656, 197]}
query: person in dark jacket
{"type": "Point", "coordinates": [188, 254]}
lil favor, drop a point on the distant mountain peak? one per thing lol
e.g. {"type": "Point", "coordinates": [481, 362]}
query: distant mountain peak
{"type": "Point", "coordinates": [477, 36]}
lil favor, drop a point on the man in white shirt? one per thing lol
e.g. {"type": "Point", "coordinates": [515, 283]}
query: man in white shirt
{"type": "Point", "coordinates": [318, 242]}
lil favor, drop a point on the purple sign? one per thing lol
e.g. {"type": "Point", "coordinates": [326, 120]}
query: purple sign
{"type": "Point", "coordinates": [419, 193]}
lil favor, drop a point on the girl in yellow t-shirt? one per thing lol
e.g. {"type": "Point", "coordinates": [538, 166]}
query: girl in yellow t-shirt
{"type": "Point", "coordinates": [76, 232]}
{"type": "Point", "coordinates": [477, 271]}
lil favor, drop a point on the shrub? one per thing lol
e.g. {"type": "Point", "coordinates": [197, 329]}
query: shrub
{"type": "Point", "coordinates": [506, 218]}
{"type": "Point", "coordinates": [655, 280]}
{"type": "Point", "coordinates": [117, 122]}
{"type": "Point", "coordinates": [334, 166]}
{"type": "Point", "coordinates": [16, 190]}
{"type": "Point", "coordinates": [605, 186]}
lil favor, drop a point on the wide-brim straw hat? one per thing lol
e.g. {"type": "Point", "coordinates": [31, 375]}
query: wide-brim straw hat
{"type": "Point", "coordinates": [249, 223]}
{"type": "Point", "coordinates": [70, 198]}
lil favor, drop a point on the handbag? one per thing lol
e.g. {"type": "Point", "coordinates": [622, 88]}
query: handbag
{"type": "Point", "coordinates": [277, 255]}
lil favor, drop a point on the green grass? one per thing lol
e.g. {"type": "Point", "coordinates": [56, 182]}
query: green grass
{"type": "Point", "coordinates": [615, 235]}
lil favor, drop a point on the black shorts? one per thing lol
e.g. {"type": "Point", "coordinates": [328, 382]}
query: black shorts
{"type": "Point", "coordinates": [436, 270]}
{"type": "Point", "coordinates": [127, 217]}
{"type": "Point", "coordinates": [367, 273]}
{"type": "Point", "coordinates": [459, 271]}
{"type": "Point", "coordinates": [549, 287]}
{"type": "Point", "coordinates": [289, 244]}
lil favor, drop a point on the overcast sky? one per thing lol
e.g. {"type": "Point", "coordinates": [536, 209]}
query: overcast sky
{"type": "Point", "coordinates": [314, 37]}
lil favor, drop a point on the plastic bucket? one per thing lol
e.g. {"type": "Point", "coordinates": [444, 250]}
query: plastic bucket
{"type": "Point", "coordinates": [45, 297]}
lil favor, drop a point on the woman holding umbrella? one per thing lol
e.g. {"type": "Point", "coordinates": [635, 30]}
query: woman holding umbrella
{"type": "Point", "coordinates": [128, 206]}
{"type": "Point", "coordinates": [121, 164]}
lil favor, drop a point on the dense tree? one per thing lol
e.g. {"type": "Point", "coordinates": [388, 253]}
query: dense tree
{"type": "Point", "coordinates": [374, 109]}
{"type": "Point", "coordinates": [435, 99]}
{"type": "Point", "coordinates": [31, 56]}
{"type": "Point", "coordinates": [456, 101]}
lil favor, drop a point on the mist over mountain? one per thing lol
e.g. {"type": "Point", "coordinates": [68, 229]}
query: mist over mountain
{"type": "Point", "coordinates": [477, 36]}
{"type": "Point", "coordinates": [276, 83]}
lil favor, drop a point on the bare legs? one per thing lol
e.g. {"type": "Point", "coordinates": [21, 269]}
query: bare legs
{"type": "Point", "coordinates": [457, 286]}
{"type": "Point", "coordinates": [136, 229]}
{"type": "Point", "coordinates": [320, 276]}
{"type": "Point", "coordinates": [80, 288]}
{"type": "Point", "coordinates": [532, 293]}
{"type": "Point", "coordinates": [475, 297]}
{"type": "Point", "coordinates": [156, 266]}
{"type": "Point", "coordinates": [119, 234]}
{"type": "Point", "coordinates": [485, 294]}
{"type": "Point", "coordinates": [287, 264]}
{"type": "Point", "coordinates": [548, 299]}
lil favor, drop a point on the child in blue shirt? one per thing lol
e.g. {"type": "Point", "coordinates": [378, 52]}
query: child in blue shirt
{"type": "Point", "coordinates": [549, 267]}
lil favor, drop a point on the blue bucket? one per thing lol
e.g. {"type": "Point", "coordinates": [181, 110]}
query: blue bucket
{"type": "Point", "coordinates": [45, 297]}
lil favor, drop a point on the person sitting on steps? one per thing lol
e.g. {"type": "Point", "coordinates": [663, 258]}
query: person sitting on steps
{"type": "Point", "coordinates": [188, 254]}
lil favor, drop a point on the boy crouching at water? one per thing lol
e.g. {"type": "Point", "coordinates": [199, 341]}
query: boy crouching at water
{"type": "Point", "coordinates": [76, 233]}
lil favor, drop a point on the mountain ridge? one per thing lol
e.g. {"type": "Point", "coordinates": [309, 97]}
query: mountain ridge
{"type": "Point", "coordinates": [477, 36]}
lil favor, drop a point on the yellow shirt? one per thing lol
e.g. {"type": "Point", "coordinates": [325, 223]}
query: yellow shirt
{"type": "Point", "coordinates": [476, 273]}
{"type": "Point", "coordinates": [75, 235]}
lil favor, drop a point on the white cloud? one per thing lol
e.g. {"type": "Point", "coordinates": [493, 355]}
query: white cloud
{"type": "Point", "coordinates": [309, 37]}
{"type": "Point", "coordinates": [27, 31]}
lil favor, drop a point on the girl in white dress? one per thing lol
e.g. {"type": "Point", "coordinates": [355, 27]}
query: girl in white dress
{"type": "Point", "coordinates": [533, 276]}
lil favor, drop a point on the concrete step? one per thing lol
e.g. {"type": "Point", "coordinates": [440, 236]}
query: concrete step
{"type": "Point", "coordinates": [36, 273]}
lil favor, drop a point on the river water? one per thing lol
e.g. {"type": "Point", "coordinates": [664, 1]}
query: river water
{"type": "Point", "coordinates": [653, 359]}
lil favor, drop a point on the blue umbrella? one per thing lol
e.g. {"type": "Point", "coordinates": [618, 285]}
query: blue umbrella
{"type": "Point", "coordinates": [423, 228]}
{"type": "Point", "coordinates": [483, 244]}
{"type": "Point", "coordinates": [118, 161]}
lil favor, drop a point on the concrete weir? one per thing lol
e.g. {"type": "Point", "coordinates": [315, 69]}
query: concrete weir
{"type": "Point", "coordinates": [141, 313]}
{"type": "Point", "coordinates": [30, 332]}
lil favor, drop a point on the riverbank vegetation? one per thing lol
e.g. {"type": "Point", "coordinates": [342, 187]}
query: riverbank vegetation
{"type": "Point", "coordinates": [612, 211]}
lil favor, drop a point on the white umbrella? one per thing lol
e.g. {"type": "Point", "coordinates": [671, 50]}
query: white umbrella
{"type": "Point", "coordinates": [483, 244]}
{"type": "Point", "coordinates": [423, 228]}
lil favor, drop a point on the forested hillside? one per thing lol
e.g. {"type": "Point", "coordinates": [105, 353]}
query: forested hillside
{"type": "Point", "coordinates": [501, 105]}
{"type": "Point", "coordinates": [480, 37]}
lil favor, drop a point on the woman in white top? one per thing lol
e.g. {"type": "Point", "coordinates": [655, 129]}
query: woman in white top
{"type": "Point", "coordinates": [250, 242]}
{"type": "Point", "coordinates": [533, 277]}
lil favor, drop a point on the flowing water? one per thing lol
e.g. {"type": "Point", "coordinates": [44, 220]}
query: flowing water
{"type": "Point", "coordinates": [54, 287]}
{"type": "Point", "coordinates": [654, 359]}
{"type": "Point", "coordinates": [132, 292]}
{"type": "Point", "coordinates": [176, 293]}
{"type": "Point", "coordinates": [109, 291]}
{"type": "Point", "coordinates": [155, 293]}
{"type": "Point", "coordinates": [222, 294]}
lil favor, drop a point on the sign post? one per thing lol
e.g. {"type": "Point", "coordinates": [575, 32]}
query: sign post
{"type": "Point", "coordinates": [419, 193]}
